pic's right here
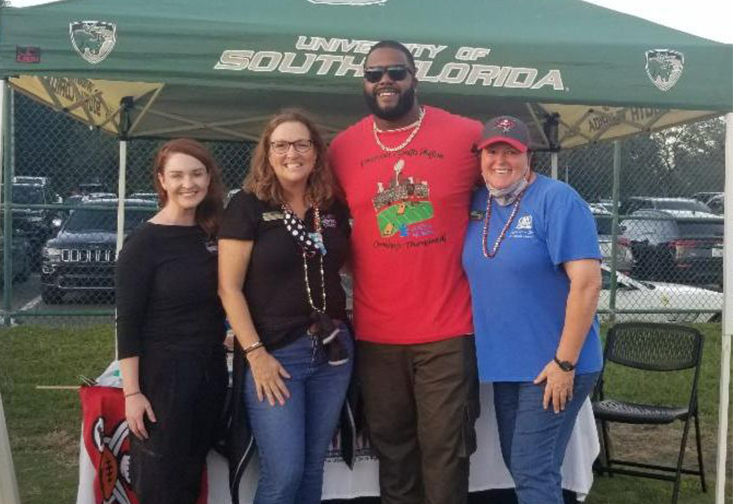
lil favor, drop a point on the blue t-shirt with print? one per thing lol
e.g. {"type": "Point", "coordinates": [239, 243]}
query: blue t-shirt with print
{"type": "Point", "coordinates": [520, 295]}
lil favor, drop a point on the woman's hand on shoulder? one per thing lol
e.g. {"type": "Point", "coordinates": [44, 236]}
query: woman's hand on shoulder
{"type": "Point", "coordinates": [268, 376]}
{"type": "Point", "coordinates": [136, 407]}
{"type": "Point", "coordinates": [558, 386]}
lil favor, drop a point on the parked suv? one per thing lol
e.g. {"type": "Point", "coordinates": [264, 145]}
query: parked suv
{"type": "Point", "coordinates": [676, 246]}
{"type": "Point", "coordinates": [604, 225]}
{"type": "Point", "coordinates": [21, 257]}
{"type": "Point", "coordinates": [81, 258]}
{"type": "Point", "coordinates": [35, 223]}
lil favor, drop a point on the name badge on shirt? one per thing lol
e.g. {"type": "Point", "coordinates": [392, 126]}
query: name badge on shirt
{"type": "Point", "coordinates": [477, 215]}
{"type": "Point", "coordinates": [212, 246]}
{"type": "Point", "coordinates": [272, 216]}
{"type": "Point", "coordinates": [328, 221]}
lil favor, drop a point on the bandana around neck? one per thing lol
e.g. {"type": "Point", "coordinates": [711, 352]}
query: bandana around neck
{"type": "Point", "coordinates": [311, 243]}
{"type": "Point", "coordinates": [508, 195]}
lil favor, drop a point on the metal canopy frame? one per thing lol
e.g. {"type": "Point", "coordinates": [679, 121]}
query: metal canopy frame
{"type": "Point", "coordinates": [146, 105]}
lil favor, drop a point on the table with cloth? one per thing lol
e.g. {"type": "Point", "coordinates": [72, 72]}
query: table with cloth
{"type": "Point", "coordinates": [104, 461]}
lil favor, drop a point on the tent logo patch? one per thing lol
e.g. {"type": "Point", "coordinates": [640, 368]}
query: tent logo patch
{"type": "Point", "coordinates": [664, 67]}
{"type": "Point", "coordinates": [358, 3]}
{"type": "Point", "coordinates": [93, 40]}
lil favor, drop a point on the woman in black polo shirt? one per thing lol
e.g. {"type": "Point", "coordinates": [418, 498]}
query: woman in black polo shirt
{"type": "Point", "coordinates": [283, 240]}
{"type": "Point", "coordinates": [170, 328]}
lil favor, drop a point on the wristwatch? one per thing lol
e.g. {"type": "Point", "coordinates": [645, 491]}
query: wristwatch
{"type": "Point", "coordinates": [566, 366]}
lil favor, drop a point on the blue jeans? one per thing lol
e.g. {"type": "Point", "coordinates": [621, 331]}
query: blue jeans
{"type": "Point", "coordinates": [292, 440]}
{"type": "Point", "coordinates": [533, 440]}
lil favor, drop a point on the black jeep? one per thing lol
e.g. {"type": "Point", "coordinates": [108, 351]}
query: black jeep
{"type": "Point", "coordinates": [81, 258]}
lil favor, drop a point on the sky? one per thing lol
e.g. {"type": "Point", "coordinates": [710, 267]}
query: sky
{"type": "Point", "coordinates": [711, 19]}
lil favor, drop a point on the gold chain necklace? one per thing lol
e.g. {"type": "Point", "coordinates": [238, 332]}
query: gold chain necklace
{"type": "Point", "coordinates": [407, 141]}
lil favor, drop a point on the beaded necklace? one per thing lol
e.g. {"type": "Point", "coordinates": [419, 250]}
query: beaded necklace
{"type": "Point", "coordinates": [311, 244]}
{"type": "Point", "coordinates": [502, 235]}
{"type": "Point", "coordinates": [416, 125]}
{"type": "Point", "coordinates": [317, 226]}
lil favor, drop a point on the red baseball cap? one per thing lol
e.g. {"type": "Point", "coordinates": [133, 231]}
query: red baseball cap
{"type": "Point", "coordinates": [505, 129]}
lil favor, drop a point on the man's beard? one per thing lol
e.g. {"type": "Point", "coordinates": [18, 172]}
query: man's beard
{"type": "Point", "coordinates": [404, 105]}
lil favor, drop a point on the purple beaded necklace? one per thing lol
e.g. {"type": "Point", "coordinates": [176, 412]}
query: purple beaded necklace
{"type": "Point", "coordinates": [502, 235]}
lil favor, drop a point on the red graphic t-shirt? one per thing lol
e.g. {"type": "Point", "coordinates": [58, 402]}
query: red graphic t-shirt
{"type": "Point", "coordinates": [410, 211]}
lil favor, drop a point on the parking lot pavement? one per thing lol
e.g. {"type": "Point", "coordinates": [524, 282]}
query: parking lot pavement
{"type": "Point", "coordinates": [27, 300]}
{"type": "Point", "coordinates": [25, 293]}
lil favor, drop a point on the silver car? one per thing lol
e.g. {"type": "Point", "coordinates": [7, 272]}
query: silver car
{"type": "Point", "coordinates": [624, 258]}
{"type": "Point", "coordinates": [636, 295]}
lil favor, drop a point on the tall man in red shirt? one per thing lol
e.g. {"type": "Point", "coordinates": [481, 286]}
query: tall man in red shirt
{"type": "Point", "coordinates": [407, 171]}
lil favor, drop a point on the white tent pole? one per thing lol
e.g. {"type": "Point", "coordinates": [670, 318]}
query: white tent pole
{"type": "Point", "coordinates": [725, 351]}
{"type": "Point", "coordinates": [553, 165]}
{"type": "Point", "coordinates": [3, 117]}
{"type": "Point", "coordinates": [121, 190]}
{"type": "Point", "coordinates": [8, 484]}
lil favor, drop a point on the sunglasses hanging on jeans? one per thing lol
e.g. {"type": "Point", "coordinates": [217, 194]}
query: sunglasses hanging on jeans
{"type": "Point", "coordinates": [394, 72]}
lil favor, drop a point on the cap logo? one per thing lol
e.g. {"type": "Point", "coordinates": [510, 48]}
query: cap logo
{"type": "Point", "coordinates": [664, 67]}
{"type": "Point", "coordinates": [505, 125]}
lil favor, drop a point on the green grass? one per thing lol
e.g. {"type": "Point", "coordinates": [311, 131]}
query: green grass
{"type": "Point", "coordinates": [44, 425]}
{"type": "Point", "coordinates": [661, 444]}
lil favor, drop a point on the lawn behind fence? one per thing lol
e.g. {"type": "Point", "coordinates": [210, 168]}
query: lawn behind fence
{"type": "Point", "coordinates": [44, 425]}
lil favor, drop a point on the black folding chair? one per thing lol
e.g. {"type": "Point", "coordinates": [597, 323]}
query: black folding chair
{"type": "Point", "coordinates": [650, 347]}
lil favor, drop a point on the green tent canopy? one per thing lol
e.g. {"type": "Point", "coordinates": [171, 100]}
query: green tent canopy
{"type": "Point", "coordinates": [217, 69]}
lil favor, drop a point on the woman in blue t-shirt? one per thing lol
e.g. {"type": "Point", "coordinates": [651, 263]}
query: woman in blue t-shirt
{"type": "Point", "coordinates": [532, 259]}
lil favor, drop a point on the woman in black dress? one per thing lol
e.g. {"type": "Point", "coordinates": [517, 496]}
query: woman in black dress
{"type": "Point", "coordinates": [170, 328]}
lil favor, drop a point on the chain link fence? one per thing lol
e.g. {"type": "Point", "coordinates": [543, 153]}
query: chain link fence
{"type": "Point", "coordinates": [662, 239]}
{"type": "Point", "coordinates": [662, 259]}
{"type": "Point", "coordinates": [64, 213]}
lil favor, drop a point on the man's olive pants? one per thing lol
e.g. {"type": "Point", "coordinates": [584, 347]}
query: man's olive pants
{"type": "Point", "coordinates": [421, 402]}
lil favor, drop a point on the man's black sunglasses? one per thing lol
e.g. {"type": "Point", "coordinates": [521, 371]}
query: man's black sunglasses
{"type": "Point", "coordinates": [395, 73]}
